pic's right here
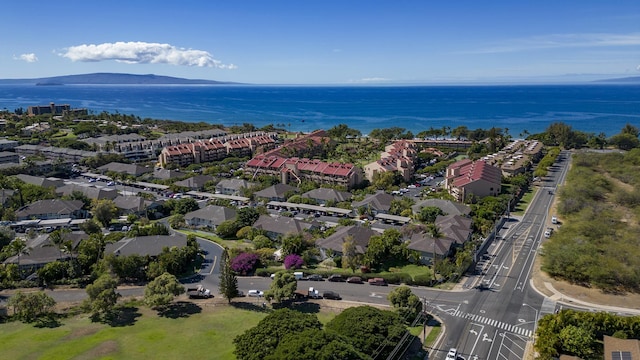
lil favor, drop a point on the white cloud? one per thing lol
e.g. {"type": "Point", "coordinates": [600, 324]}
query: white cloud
{"type": "Point", "coordinates": [143, 53]}
{"type": "Point", "coordinates": [638, 68]}
{"type": "Point", "coordinates": [30, 58]}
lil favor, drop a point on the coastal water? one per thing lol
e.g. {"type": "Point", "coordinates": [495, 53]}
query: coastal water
{"type": "Point", "coordinates": [593, 108]}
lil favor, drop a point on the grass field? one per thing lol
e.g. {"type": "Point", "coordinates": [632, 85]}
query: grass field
{"type": "Point", "coordinates": [207, 334]}
{"type": "Point", "coordinates": [195, 330]}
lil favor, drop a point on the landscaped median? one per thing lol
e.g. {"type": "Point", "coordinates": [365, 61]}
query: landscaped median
{"type": "Point", "coordinates": [408, 275]}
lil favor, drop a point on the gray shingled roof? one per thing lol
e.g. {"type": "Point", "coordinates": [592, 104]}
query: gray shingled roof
{"type": "Point", "coordinates": [379, 202]}
{"type": "Point", "coordinates": [217, 214]}
{"type": "Point", "coordinates": [281, 225]}
{"type": "Point", "coordinates": [326, 194]}
{"type": "Point", "coordinates": [145, 245]}
{"type": "Point", "coordinates": [360, 234]}
{"type": "Point", "coordinates": [448, 207]}
{"type": "Point", "coordinates": [275, 191]}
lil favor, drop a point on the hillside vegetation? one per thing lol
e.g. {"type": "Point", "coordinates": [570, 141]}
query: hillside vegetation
{"type": "Point", "coordinates": [599, 208]}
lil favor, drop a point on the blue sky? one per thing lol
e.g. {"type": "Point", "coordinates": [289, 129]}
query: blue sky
{"type": "Point", "coordinates": [325, 42]}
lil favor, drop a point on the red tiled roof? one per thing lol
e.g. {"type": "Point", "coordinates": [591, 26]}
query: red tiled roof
{"type": "Point", "coordinates": [473, 171]}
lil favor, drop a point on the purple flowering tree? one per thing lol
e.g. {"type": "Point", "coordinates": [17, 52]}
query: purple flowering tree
{"type": "Point", "coordinates": [293, 261]}
{"type": "Point", "coordinates": [244, 263]}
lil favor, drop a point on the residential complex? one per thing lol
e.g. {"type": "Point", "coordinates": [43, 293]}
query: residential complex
{"type": "Point", "coordinates": [466, 178]}
{"type": "Point", "coordinates": [398, 156]}
{"type": "Point", "coordinates": [202, 151]}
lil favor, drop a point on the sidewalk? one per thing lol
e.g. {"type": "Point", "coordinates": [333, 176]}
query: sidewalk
{"type": "Point", "coordinates": [550, 292]}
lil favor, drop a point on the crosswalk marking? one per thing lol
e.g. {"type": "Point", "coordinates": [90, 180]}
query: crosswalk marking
{"type": "Point", "coordinates": [492, 322]}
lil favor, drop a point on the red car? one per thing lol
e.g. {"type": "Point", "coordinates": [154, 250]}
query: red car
{"type": "Point", "coordinates": [354, 280]}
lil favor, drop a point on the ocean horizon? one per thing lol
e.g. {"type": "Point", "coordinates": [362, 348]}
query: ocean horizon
{"type": "Point", "coordinates": [591, 108]}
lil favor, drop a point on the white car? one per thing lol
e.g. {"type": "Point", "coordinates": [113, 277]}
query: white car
{"type": "Point", "coordinates": [452, 354]}
{"type": "Point", "coordinates": [255, 293]}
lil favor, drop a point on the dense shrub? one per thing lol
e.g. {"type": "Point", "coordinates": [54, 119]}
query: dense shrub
{"type": "Point", "coordinates": [293, 261]}
{"type": "Point", "coordinates": [422, 279]}
{"type": "Point", "coordinates": [244, 263]}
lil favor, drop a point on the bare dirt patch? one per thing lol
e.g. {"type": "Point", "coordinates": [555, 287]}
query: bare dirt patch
{"type": "Point", "coordinates": [104, 349]}
{"type": "Point", "coordinates": [82, 332]}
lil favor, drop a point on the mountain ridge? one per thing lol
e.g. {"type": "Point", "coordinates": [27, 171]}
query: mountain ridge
{"type": "Point", "coordinates": [112, 79]}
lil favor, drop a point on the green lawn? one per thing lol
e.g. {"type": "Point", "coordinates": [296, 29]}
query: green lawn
{"type": "Point", "coordinates": [231, 244]}
{"type": "Point", "coordinates": [412, 270]}
{"type": "Point", "coordinates": [205, 335]}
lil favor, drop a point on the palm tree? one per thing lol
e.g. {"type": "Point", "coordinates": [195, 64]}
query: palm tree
{"type": "Point", "coordinates": [19, 247]}
{"type": "Point", "coordinates": [436, 234]}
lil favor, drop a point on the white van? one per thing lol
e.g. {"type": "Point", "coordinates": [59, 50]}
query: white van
{"type": "Point", "coordinates": [554, 219]}
{"type": "Point", "coordinates": [298, 275]}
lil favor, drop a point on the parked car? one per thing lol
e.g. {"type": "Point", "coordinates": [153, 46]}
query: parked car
{"type": "Point", "coordinates": [111, 183]}
{"type": "Point", "coordinates": [255, 293]}
{"type": "Point", "coordinates": [452, 354]}
{"type": "Point", "coordinates": [548, 232]}
{"type": "Point", "coordinates": [336, 278]}
{"type": "Point", "coordinates": [554, 219]}
{"type": "Point", "coordinates": [315, 277]}
{"type": "Point", "coordinates": [331, 295]}
{"type": "Point", "coordinates": [92, 180]}
{"type": "Point", "coordinates": [354, 280]}
{"type": "Point", "coordinates": [377, 281]}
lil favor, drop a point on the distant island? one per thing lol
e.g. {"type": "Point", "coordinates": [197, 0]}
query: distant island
{"type": "Point", "coordinates": [111, 79]}
{"type": "Point", "coordinates": [625, 80]}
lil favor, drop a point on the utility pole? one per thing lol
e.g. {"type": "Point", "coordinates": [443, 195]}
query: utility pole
{"type": "Point", "coordinates": [424, 323]}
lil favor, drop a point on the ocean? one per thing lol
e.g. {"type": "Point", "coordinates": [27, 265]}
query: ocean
{"type": "Point", "coordinates": [592, 108]}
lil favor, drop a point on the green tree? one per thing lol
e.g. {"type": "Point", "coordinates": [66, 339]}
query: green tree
{"type": "Point", "coordinates": [292, 244]}
{"type": "Point", "coordinates": [283, 287]}
{"type": "Point", "coordinates": [90, 251]}
{"type": "Point", "coordinates": [104, 211]}
{"type": "Point", "coordinates": [186, 205]}
{"type": "Point", "coordinates": [162, 290]}
{"type": "Point", "coordinates": [53, 271]}
{"type": "Point", "coordinates": [577, 341]}
{"type": "Point", "coordinates": [405, 302]}
{"type": "Point", "coordinates": [428, 214]}
{"type": "Point", "coordinates": [29, 307]}
{"type": "Point", "coordinates": [261, 341]}
{"type": "Point", "coordinates": [19, 247]}
{"type": "Point", "coordinates": [176, 221]}
{"type": "Point", "coordinates": [350, 258]}
{"type": "Point", "coordinates": [372, 331]}
{"type": "Point", "coordinates": [315, 344]}
{"type": "Point", "coordinates": [228, 280]}
{"type": "Point", "coordinates": [246, 216]}
{"type": "Point", "coordinates": [227, 229]}
{"type": "Point", "coordinates": [262, 242]}
{"type": "Point", "coordinates": [102, 296]}
{"type": "Point", "coordinates": [90, 227]}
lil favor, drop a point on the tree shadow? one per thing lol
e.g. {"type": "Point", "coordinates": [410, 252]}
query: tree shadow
{"type": "Point", "coordinates": [251, 306]}
{"type": "Point", "coordinates": [50, 321]}
{"type": "Point", "coordinates": [119, 317]}
{"type": "Point", "coordinates": [181, 309]}
{"type": "Point", "coordinates": [301, 306]}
